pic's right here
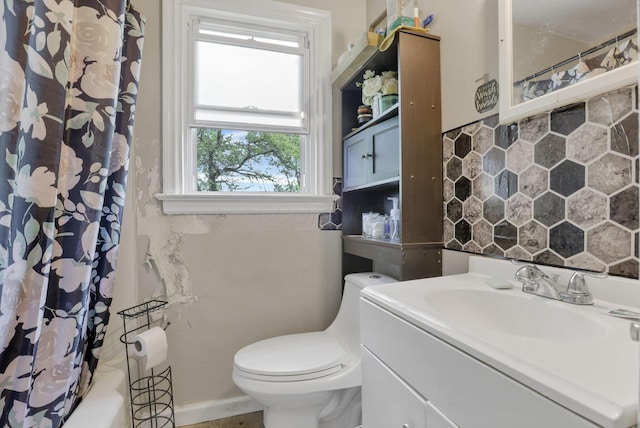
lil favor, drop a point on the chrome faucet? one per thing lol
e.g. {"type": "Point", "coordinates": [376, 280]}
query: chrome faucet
{"type": "Point", "coordinates": [535, 281]}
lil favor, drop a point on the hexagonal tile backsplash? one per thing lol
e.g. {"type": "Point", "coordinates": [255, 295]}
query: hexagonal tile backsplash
{"type": "Point", "coordinates": [560, 188]}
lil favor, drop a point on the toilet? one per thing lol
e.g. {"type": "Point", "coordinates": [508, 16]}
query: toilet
{"type": "Point", "coordinates": [310, 380]}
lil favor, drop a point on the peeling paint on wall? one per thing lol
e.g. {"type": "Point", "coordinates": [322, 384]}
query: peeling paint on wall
{"type": "Point", "coordinates": [163, 236]}
{"type": "Point", "coordinates": [165, 260]}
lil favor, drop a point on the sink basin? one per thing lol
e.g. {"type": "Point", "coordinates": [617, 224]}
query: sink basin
{"type": "Point", "coordinates": [513, 312]}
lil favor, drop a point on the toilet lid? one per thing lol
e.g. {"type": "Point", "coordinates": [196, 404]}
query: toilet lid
{"type": "Point", "coordinates": [290, 358]}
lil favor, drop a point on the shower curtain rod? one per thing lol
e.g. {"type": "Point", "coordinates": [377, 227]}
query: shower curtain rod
{"type": "Point", "coordinates": [578, 56]}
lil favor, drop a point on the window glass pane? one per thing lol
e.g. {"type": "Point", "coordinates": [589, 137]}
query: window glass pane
{"type": "Point", "coordinates": [232, 161]}
{"type": "Point", "coordinates": [248, 117]}
{"type": "Point", "coordinates": [244, 77]}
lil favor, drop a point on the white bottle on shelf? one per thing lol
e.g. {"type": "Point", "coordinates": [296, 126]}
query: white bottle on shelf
{"type": "Point", "coordinates": [394, 216]}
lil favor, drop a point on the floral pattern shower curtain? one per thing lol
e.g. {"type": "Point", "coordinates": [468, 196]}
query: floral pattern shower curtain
{"type": "Point", "coordinates": [68, 82]}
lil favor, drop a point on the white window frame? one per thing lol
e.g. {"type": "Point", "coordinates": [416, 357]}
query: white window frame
{"type": "Point", "coordinates": [178, 194]}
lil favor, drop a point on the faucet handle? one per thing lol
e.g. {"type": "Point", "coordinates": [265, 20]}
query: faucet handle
{"type": "Point", "coordinates": [578, 291]}
{"type": "Point", "coordinates": [528, 274]}
{"type": "Point", "coordinates": [532, 273]}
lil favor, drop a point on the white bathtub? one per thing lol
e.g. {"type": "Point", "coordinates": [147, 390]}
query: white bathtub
{"type": "Point", "coordinates": [105, 406]}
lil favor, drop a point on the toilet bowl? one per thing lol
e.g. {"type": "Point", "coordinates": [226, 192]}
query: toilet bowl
{"type": "Point", "coordinates": [310, 380]}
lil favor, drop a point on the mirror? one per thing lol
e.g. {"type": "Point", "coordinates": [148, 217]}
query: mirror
{"type": "Point", "coordinates": [556, 52]}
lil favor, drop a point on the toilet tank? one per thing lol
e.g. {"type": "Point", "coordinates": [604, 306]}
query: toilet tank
{"type": "Point", "coordinates": [346, 326]}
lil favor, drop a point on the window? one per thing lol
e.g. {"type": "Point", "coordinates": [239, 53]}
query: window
{"type": "Point", "coordinates": [246, 107]}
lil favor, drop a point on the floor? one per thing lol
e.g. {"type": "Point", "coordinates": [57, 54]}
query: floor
{"type": "Point", "coordinates": [250, 420]}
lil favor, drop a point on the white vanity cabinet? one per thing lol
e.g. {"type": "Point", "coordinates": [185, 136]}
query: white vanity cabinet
{"type": "Point", "coordinates": [412, 379]}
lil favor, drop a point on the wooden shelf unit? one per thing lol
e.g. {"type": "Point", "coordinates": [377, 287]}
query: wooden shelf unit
{"type": "Point", "coordinates": [415, 55]}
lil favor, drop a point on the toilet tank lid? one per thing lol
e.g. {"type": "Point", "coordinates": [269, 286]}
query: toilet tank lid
{"type": "Point", "coordinates": [366, 279]}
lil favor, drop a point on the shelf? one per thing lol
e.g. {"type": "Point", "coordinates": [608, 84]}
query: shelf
{"type": "Point", "coordinates": [360, 240]}
{"type": "Point", "coordinates": [359, 246]}
{"type": "Point", "coordinates": [388, 113]}
{"type": "Point", "coordinates": [374, 241]}
{"type": "Point", "coordinates": [364, 48]}
{"type": "Point", "coordinates": [406, 147]}
{"type": "Point", "coordinates": [371, 249]}
{"type": "Point", "coordinates": [382, 185]}
{"type": "Point", "coordinates": [400, 260]}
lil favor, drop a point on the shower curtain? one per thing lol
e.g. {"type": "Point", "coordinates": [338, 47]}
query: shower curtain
{"type": "Point", "coordinates": [69, 74]}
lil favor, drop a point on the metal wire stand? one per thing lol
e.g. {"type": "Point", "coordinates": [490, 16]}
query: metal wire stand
{"type": "Point", "coordinates": [151, 394]}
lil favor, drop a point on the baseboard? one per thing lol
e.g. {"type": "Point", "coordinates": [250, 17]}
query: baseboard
{"type": "Point", "coordinates": [204, 411]}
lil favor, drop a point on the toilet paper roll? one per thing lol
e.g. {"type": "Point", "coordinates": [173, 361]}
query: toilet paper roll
{"type": "Point", "coordinates": [151, 346]}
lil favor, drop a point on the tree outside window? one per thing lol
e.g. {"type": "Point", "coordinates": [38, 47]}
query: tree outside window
{"type": "Point", "coordinates": [231, 161]}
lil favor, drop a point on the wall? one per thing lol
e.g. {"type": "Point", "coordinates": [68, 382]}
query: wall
{"type": "Point", "coordinates": [559, 188]}
{"type": "Point", "coordinates": [240, 278]}
{"type": "Point", "coordinates": [468, 52]}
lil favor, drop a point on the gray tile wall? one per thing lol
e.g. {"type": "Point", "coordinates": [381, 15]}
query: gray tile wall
{"type": "Point", "coordinates": [333, 220]}
{"type": "Point", "coordinates": [559, 188]}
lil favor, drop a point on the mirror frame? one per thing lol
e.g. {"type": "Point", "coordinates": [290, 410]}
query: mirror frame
{"type": "Point", "coordinates": [509, 113]}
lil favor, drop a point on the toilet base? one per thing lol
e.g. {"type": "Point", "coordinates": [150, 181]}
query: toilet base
{"type": "Point", "coordinates": [299, 418]}
{"type": "Point", "coordinates": [344, 410]}
{"type": "Point", "coordinates": [298, 410]}
{"type": "Point", "coordinates": [327, 409]}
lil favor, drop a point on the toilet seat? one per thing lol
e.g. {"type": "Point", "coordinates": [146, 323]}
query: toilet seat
{"type": "Point", "coordinates": [294, 357]}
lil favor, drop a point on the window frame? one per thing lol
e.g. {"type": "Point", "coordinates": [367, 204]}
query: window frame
{"type": "Point", "coordinates": [178, 196]}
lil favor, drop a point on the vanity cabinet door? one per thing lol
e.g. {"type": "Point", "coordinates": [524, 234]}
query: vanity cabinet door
{"type": "Point", "coordinates": [388, 402]}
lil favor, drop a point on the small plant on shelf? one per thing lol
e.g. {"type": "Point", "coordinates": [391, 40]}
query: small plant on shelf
{"type": "Point", "coordinates": [376, 87]}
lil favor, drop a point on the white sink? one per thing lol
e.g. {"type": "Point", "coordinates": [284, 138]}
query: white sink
{"type": "Point", "coordinates": [575, 355]}
{"type": "Point", "coordinates": [513, 313]}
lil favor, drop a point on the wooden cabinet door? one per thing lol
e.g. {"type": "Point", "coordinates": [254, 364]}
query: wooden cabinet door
{"type": "Point", "coordinates": [357, 157]}
{"type": "Point", "coordinates": [385, 146]}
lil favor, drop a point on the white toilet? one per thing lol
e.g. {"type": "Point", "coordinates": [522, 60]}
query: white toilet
{"type": "Point", "coordinates": [310, 380]}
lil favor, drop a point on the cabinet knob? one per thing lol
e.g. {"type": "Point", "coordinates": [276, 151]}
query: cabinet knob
{"type": "Point", "coordinates": [405, 426]}
{"type": "Point", "coordinates": [367, 155]}
{"type": "Point", "coordinates": [635, 331]}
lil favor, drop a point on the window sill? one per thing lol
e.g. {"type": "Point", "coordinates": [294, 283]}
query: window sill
{"type": "Point", "coordinates": [245, 203]}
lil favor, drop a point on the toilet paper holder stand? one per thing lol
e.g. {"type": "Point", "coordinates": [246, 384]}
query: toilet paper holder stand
{"type": "Point", "coordinates": [150, 391]}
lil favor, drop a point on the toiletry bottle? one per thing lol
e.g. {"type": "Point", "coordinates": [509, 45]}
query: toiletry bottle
{"type": "Point", "coordinates": [387, 227]}
{"type": "Point", "coordinates": [400, 13]}
{"type": "Point", "coordinates": [377, 227]}
{"type": "Point", "coordinates": [394, 215]}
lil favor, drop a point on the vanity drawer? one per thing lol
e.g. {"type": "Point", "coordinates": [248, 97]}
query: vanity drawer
{"type": "Point", "coordinates": [388, 402]}
{"type": "Point", "coordinates": [469, 392]}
